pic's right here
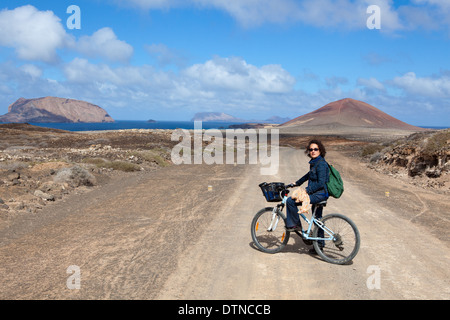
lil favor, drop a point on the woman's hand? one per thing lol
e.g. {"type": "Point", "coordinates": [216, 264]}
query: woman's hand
{"type": "Point", "coordinates": [291, 185]}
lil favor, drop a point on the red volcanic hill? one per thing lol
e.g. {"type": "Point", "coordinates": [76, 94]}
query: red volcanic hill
{"type": "Point", "coordinates": [350, 113]}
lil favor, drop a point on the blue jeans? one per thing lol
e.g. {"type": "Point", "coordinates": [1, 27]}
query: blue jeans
{"type": "Point", "coordinates": [293, 218]}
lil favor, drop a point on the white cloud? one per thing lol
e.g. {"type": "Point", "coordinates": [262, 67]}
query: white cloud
{"type": "Point", "coordinates": [255, 12]}
{"type": "Point", "coordinates": [31, 70]}
{"type": "Point", "coordinates": [27, 81]}
{"type": "Point", "coordinates": [229, 85]}
{"type": "Point", "coordinates": [83, 72]}
{"type": "Point", "coordinates": [34, 34]}
{"type": "Point", "coordinates": [221, 84]}
{"type": "Point", "coordinates": [334, 82]}
{"type": "Point", "coordinates": [332, 14]}
{"type": "Point", "coordinates": [236, 74]}
{"type": "Point", "coordinates": [329, 14]}
{"type": "Point", "coordinates": [428, 15]}
{"type": "Point", "coordinates": [348, 14]}
{"type": "Point", "coordinates": [166, 56]}
{"type": "Point", "coordinates": [391, 19]}
{"type": "Point", "coordinates": [376, 59]}
{"type": "Point", "coordinates": [151, 4]}
{"type": "Point", "coordinates": [435, 87]}
{"type": "Point", "coordinates": [37, 35]}
{"type": "Point", "coordinates": [443, 4]}
{"type": "Point", "coordinates": [371, 83]}
{"type": "Point", "coordinates": [104, 43]}
{"type": "Point", "coordinates": [246, 12]}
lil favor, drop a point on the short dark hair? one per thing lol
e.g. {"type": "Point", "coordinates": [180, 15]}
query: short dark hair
{"type": "Point", "coordinates": [322, 150]}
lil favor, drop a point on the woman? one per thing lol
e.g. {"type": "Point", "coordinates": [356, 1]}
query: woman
{"type": "Point", "coordinates": [317, 177]}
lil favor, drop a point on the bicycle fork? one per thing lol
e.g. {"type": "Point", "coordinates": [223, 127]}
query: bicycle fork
{"type": "Point", "coordinates": [275, 219]}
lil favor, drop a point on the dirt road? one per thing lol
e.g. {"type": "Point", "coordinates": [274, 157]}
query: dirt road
{"type": "Point", "coordinates": [166, 235]}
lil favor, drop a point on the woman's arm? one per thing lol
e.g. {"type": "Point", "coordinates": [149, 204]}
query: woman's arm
{"type": "Point", "coordinates": [302, 180]}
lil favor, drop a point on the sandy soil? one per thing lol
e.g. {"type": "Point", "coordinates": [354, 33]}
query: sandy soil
{"type": "Point", "coordinates": [411, 251]}
{"type": "Point", "coordinates": [183, 232]}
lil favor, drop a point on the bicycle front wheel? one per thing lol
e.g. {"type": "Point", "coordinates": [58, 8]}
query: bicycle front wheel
{"type": "Point", "coordinates": [343, 239]}
{"type": "Point", "coordinates": [268, 231]}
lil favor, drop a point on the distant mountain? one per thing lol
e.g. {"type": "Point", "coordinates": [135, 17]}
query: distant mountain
{"type": "Point", "coordinates": [276, 119]}
{"type": "Point", "coordinates": [52, 109]}
{"type": "Point", "coordinates": [215, 116]}
{"type": "Point", "coordinates": [220, 116]}
{"type": "Point", "coordinates": [349, 113]}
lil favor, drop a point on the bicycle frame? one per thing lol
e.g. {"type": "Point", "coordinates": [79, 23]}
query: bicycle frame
{"type": "Point", "coordinates": [305, 234]}
{"type": "Point", "coordinates": [334, 237]}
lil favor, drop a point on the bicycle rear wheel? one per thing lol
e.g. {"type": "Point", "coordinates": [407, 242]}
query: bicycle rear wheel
{"type": "Point", "coordinates": [268, 231]}
{"type": "Point", "coordinates": [345, 243]}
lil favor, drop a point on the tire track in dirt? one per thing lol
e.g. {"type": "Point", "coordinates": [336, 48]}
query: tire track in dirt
{"type": "Point", "coordinates": [411, 258]}
{"type": "Point", "coordinates": [235, 269]}
{"type": "Point", "coordinates": [232, 268]}
{"type": "Point", "coordinates": [125, 237]}
{"type": "Point", "coordinates": [163, 235]}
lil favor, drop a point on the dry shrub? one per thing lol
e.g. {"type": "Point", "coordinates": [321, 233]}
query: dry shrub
{"type": "Point", "coordinates": [76, 176]}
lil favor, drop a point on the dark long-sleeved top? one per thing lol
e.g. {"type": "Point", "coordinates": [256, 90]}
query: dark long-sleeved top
{"type": "Point", "coordinates": [317, 176]}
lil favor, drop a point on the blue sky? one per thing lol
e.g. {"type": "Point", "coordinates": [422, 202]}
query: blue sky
{"type": "Point", "coordinates": [253, 59]}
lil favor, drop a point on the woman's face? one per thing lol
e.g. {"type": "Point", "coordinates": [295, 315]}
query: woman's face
{"type": "Point", "coordinates": [314, 151]}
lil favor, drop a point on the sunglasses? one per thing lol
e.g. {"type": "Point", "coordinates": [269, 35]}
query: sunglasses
{"type": "Point", "coordinates": [315, 149]}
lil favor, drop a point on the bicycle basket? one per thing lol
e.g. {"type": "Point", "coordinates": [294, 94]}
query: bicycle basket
{"type": "Point", "coordinates": [271, 191]}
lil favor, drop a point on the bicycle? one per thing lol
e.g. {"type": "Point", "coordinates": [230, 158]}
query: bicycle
{"type": "Point", "coordinates": [340, 241]}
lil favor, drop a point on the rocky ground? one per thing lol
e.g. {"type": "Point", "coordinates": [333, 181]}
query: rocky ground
{"type": "Point", "coordinates": [75, 199]}
{"type": "Point", "coordinates": [40, 165]}
{"type": "Point", "coordinates": [422, 159]}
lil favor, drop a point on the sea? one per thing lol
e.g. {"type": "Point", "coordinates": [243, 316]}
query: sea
{"type": "Point", "coordinates": [136, 124]}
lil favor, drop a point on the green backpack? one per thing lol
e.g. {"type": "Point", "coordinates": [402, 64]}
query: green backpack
{"type": "Point", "coordinates": [335, 184]}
